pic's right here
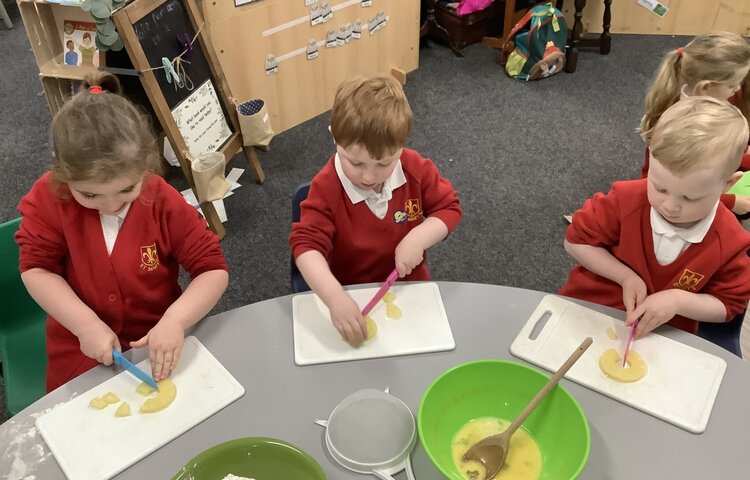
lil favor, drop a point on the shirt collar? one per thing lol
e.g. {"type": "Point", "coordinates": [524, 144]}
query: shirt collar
{"type": "Point", "coordinates": [357, 194]}
{"type": "Point", "coordinates": [694, 234]}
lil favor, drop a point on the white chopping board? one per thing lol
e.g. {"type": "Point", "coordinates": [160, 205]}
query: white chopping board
{"type": "Point", "coordinates": [681, 382]}
{"type": "Point", "coordinates": [423, 327]}
{"type": "Point", "coordinates": [92, 444]}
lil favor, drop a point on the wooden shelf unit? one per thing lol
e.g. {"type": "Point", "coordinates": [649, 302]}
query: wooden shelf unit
{"type": "Point", "coordinates": [43, 21]}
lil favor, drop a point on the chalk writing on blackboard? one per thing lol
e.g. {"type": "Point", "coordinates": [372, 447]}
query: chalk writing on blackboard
{"type": "Point", "coordinates": [158, 33]}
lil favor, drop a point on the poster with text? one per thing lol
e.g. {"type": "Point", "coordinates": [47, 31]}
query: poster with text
{"type": "Point", "coordinates": [201, 120]}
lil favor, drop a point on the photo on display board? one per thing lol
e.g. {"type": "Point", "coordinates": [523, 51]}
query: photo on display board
{"type": "Point", "coordinates": [78, 44]}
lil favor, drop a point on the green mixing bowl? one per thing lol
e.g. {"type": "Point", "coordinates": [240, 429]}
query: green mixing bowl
{"type": "Point", "coordinates": [256, 457]}
{"type": "Point", "coordinates": [499, 388]}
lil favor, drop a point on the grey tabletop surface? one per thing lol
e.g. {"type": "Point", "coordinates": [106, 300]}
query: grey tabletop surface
{"type": "Point", "coordinates": [282, 400]}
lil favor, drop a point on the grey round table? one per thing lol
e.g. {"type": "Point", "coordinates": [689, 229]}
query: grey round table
{"type": "Point", "coordinates": [282, 400]}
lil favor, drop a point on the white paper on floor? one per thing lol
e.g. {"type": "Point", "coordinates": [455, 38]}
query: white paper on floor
{"type": "Point", "coordinates": [169, 154]}
{"type": "Point", "coordinates": [232, 178]}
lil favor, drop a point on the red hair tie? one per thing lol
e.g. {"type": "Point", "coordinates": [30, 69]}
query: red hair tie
{"type": "Point", "coordinates": [679, 52]}
{"type": "Point", "coordinates": [95, 89]}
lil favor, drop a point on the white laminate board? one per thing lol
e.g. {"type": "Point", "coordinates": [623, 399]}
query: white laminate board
{"type": "Point", "coordinates": [423, 328]}
{"type": "Point", "coordinates": [92, 444]}
{"type": "Point", "coordinates": [680, 386]}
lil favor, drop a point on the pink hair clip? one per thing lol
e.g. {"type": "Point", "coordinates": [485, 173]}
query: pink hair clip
{"type": "Point", "coordinates": [95, 89]}
{"type": "Point", "coordinates": [679, 52]}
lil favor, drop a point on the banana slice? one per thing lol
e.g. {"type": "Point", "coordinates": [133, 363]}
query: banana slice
{"type": "Point", "coordinates": [611, 364]}
{"type": "Point", "coordinates": [123, 410]}
{"type": "Point", "coordinates": [163, 398]}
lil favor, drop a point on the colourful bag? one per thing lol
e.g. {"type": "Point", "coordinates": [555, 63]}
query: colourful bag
{"type": "Point", "coordinates": [537, 44]}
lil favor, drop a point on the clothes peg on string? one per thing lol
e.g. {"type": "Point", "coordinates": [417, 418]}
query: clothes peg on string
{"type": "Point", "coordinates": [170, 72]}
{"type": "Point", "coordinates": [187, 45]}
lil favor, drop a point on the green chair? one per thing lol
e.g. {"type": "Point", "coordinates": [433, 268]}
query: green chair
{"type": "Point", "coordinates": [22, 330]}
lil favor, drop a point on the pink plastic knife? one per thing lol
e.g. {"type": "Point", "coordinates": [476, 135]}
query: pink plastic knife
{"type": "Point", "coordinates": [383, 290]}
{"type": "Point", "coordinates": [633, 327]}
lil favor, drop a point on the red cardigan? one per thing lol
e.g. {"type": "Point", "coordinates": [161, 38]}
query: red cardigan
{"type": "Point", "coordinates": [359, 246]}
{"type": "Point", "coordinates": [129, 290]}
{"type": "Point", "coordinates": [620, 222]}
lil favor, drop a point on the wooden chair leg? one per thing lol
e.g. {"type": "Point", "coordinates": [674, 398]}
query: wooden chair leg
{"type": "Point", "coordinates": [571, 54]}
{"type": "Point", "coordinates": [4, 15]}
{"type": "Point", "coordinates": [255, 166]}
{"type": "Point", "coordinates": [606, 39]}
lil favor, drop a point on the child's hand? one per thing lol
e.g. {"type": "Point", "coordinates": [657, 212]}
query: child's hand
{"type": "Point", "coordinates": [97, 341]}
{"type": "Point", "coordinates": [164, 346]}
{"type": "Point", "coordinates": [634, 292]}
{"type": "Point", "coordinates": [741, 204]}
{"type": "Point", "coordinates": [656, 310]}
{"type": "Point", "coordinates": [409, 254]}
{"type": "Point", "coordinates": [347, 318]}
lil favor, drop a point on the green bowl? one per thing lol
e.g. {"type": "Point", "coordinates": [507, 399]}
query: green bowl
{"type": "Point", "coordinates": [498, 388]}
{"type": "Point", "coordinates": [256, 457]}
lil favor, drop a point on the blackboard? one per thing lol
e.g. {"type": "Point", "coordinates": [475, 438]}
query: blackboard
{"type": "Point", "coordinates": [157, 33]}
{"type": "Point", "coordinates": [197, 120]}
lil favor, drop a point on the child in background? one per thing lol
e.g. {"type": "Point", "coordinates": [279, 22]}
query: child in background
{"type": "Point", "coordinates": [102, 239]}
{"type": "Point", "coordinates": [374, 205]}
{"type": "Point", "coordinates": [716, 65]}
{"type": "Point", "coordinates": [664, 248]}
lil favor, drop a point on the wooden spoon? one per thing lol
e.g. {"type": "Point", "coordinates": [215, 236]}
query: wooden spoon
{"type": "Point", "coordinates": [491, 451]}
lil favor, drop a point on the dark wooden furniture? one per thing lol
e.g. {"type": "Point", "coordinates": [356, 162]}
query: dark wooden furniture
{"type": "Point", "coordinates": [604, 42]}
{"type": "Point", "coordinates": [460, 31]}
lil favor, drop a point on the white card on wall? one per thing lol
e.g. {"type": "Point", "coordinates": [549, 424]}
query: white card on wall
{"type": "Point", "coordinates": [316, 16]}
{"type": "Point", "coordinates": [327, 12]}
{"type": "Point", "coordinates": [341, 36]}
{"type": "Point", "coordinates": [309, 2]}
{"type": "Point", "coordinates": [348, 32]}
{"type": "Point", "coordinates": [366, 3]}
{"type": "Point", "coordinates": [357, 29]}
{"type": "Point", "coordinates": [331, 39]}
{"type": "Point", "coordinates": [654, 7]}
{"type": "Point", "coordinates": [312, 49]}
{"type": "Point", "coordinates": [381, 19]}
{"type": "Point", "coordinates": [372, 25]}
{"type": "Point", "coordinates": [272, 65]}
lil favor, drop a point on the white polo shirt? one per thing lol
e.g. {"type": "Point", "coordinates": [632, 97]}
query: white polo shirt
{"type": "Point", "coordinates": [111, 227]}
{"type": "Point", "coordinates": [377, 202]}
{"type": "Point", "coordinates": [671, 241]}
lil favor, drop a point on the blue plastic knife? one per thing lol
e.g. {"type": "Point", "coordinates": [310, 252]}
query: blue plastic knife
{"type": "Point", "coordinates": [128, 365]}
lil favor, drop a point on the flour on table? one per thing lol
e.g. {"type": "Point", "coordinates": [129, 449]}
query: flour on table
{"type": "Point", "coordinates": [23, 448]}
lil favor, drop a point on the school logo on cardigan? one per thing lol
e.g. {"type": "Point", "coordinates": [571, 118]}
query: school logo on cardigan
{"type": "Point", "coordinates": [413, 209]}
{"type": "Point", "coordinates": [689, 280]}
{"type": "Point", "coordinates": [149, 257]}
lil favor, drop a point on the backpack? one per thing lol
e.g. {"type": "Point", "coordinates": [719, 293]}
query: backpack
{"type": "Point", "coordinates": [537, 44]}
